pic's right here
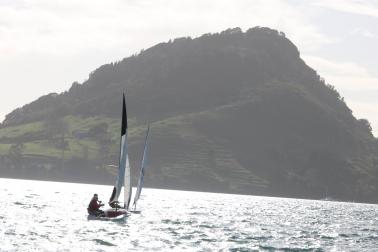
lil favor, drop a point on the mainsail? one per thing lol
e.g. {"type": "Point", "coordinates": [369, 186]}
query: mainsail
{"type": "Point", "coordinates": [142, 167]}
{"type": "Point", "coordinates": [123, 160]}
{"type": "Point", "coordinates": [127, 189]}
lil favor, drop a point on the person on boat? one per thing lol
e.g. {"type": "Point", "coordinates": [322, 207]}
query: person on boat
{"type": "Point", "coordinates": [94, 206]}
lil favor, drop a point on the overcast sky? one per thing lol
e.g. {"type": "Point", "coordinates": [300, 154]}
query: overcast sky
{"type": "Point", "coordinates": [45, 45]}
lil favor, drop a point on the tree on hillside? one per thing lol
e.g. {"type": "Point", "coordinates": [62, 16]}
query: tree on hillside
{"type": "Point", "coordinates": [103, 139]}
{"type": "Point", "coordinates": [365, 124]}
{"type": "Point", "coordinates": [98, 129]}
{"type": "Point", "coordinates": [55, 130]}
{"type": "Point", "coordinates": [15, 153]}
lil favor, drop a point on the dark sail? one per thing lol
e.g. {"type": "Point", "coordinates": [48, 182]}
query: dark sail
{"type": "Point", "coordinates": [124, 117]}
{"type": "Point", "coordinates": [122, 156]}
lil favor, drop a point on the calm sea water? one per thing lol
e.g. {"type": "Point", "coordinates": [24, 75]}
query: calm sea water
{"type": "Point", "coordinates": [50, 216]}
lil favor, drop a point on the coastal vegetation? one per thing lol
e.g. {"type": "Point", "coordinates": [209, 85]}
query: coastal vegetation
{"type": "Point", "coordinates": [236, 112]}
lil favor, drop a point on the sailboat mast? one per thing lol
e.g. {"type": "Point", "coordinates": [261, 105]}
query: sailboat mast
{"type": "Point", "coordinates": [125, 161]}
{"type": "Point", "coordinates": [122, 156]}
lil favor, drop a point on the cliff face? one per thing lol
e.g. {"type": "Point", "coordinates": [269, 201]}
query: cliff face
{"type": "Point", "coordinates": [233, 111]}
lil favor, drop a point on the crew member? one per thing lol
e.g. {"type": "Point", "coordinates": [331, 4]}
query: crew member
{"type": "Point", "coordinates": [94, 206]}
{"type": "Point", "coordinates": [114, 204]}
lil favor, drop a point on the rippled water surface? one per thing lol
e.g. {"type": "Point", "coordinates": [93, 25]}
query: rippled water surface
{"type": "Point", "coordinates": [50, 216]}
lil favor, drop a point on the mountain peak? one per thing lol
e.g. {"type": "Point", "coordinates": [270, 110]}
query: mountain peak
{"type": "Point", "coordinates": [240, 110]}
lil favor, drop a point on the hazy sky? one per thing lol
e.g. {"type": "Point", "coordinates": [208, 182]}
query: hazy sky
{"type": "Point", "coordinates": [45, 45]}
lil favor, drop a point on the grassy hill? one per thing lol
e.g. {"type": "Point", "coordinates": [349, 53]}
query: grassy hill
{"type": "Point", "coordinates": [235, 111]}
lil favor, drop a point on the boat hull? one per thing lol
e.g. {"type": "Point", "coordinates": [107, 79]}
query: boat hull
{"type": "Point", "coordinates": [114, 212]}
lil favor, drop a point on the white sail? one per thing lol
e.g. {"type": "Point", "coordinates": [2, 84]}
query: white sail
{"type": "Point", "coordinates": [142, 168]}
{"type": "Point", "coordinates": [123, 157]}
{"type": "Point", "coordinates": [127, 182]}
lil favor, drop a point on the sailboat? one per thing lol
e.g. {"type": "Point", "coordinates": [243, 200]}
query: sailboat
{"type": "Point", "coordinates": [141, 172]}
{"type": "Point", "coordinates": [124, 174]}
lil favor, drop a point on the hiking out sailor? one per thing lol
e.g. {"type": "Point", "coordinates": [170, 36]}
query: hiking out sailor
{"type": "Point", "coordinates": [94, 206]}
{"type": "Point", "coordinates": [114, 204]}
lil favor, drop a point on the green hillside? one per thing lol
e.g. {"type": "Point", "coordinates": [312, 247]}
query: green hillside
{"type": "Point", "coordinates": [236, 112]}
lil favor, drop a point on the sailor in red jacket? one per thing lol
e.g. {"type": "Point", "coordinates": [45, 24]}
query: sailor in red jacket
{"type": "Point", "coordinates": [94, 206]}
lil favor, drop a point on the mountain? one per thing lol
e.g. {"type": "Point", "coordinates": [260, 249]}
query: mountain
{"type": "Point", "coordinates": [236, 112]}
